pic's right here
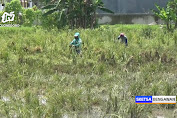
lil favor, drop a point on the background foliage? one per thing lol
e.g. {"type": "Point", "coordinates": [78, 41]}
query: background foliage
{"type": "Point", "coordinates": [168, 14]}
{"type": "Point", "coordinates": [61, 13]}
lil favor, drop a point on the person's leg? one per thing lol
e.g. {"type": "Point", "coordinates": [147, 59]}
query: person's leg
{"type": "Point", "coordinates": [126, 42]}
{"type": "Point", "coordinates": [78, 51]}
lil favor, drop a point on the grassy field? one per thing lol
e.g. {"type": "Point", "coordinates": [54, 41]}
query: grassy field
{"type": "Point", "coordinates": [41, 78]}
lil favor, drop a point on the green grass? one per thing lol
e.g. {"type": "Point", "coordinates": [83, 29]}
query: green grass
{"type": "Point", "coordinates": [39, 77]}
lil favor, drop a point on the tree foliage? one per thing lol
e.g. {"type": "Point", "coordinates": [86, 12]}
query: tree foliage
{"type": "Point", "coordinates": [15, 6]}
{"type": "Point", "coordinates": [29, 16]}
{"type": "Point", "coordinates": [168, 14]}
{"type": "Point", "coordinates": [75, 13]}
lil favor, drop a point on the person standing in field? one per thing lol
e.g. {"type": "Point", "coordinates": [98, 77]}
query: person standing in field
{"type": "Point", "coordinates": [76, 43]}
{"type": "Point", "coordinates": [123, 38]}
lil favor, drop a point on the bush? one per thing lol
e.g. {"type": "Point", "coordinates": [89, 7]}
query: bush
{"type": "Point", "coordinates": [49, 21]}
{"type": "Point", "coordinates": [38, 17]}
{"type": "Point", "coordinates": [34, 17]}
{"type": "Point", "coordinates": [28, 17]}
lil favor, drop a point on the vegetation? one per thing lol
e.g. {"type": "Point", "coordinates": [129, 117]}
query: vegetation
{"type": "Point", "coordinates": [40, 77]}
{"type": "Point", "coordinates": [15, 6]}
{"type": "Point", "coordinates": [168, 14]}
{"type": "Point", "coordinates": [75, 14]}
{"type": "Point", "coordinates": [60, 13]}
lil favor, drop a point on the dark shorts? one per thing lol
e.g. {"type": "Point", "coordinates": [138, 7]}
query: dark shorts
{"type": "Point", "coordinates": [78, 51]}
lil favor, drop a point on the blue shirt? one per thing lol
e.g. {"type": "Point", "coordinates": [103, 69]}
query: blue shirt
{"type": "Point", "coordinates": [76, 42]}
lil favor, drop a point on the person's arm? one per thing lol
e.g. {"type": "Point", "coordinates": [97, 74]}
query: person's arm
{"type": "Point", "coordinates": [72, 42]}
{"type": "Point", "coordinates": [118, 37]}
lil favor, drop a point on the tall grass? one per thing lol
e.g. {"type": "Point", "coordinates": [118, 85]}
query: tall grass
{"type": "Point", "coordinates": [40, 77]}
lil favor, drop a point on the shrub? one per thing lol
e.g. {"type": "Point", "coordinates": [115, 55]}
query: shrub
{"type": "Point", "coordinates": [28, 17]}
{"type": "Point", "coordinates": [49, 21]}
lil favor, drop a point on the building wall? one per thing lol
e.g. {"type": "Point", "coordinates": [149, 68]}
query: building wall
{"type": "Point", "coordinates": [132, 6]}
{"type": "Point", "coordinates": [130, 12]}
{"type": "Point", "coordinates": [128, 19]}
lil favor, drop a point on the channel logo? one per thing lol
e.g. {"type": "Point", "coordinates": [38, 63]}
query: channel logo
{"type": "Point", "coordinates": [8, 17]}
{"type": "Point", "coordinates": [155, 99]}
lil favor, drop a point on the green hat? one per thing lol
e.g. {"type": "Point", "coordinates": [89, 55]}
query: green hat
{"type": "Point", "coordinates": [76, 34]}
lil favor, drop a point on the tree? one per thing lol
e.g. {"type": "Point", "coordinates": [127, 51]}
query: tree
{"type": "Point", "coordinates": [15, 6]}
{"type": "Point", "coordinates": [75, 13]}
{"type": "Point", "coordinates": [173, 5]}
{"type": "Point", "coordinates": [168, 14]}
